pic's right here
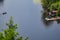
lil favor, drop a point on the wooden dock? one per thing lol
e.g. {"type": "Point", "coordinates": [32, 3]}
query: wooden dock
{"type": "Point", "coordinates": [52, 19]}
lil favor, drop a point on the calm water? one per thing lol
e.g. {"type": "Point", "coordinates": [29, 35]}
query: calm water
{"type": "Point", "coordinates": [28, 16]}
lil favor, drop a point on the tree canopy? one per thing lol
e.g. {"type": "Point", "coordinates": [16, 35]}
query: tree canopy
{"type": "Point", "coordinates": [10, 33]}
{"type": "Point", "coordinates": [50, 4]}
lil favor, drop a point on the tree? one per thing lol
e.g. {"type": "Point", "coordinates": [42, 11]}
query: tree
{"type": "Point", "coordinates": [10, 33]}
{"type": "Point", "coordinates": [47, 3]}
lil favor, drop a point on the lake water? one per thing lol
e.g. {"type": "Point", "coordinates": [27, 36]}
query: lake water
{"type": "Point", "coordinates": [28, 16]}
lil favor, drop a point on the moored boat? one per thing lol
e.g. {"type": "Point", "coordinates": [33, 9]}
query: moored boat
{"type": "Point", "coordinates": [52, 19]}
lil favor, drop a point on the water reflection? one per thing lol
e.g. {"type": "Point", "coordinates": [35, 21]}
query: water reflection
{"type": "Point", "coordinates": [1, 16]}
{"type": "Point", "coordinates": [36, 1]}
{"type": "Point", "coordinates": [1, 6]}
{"type": "Point", "coordinates": [58, 21]}
{"type": "Point", "coordinates": [1, 2]}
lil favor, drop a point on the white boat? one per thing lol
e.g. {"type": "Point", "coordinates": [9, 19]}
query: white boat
{"type": "Point", "coordinates": [52, 19]}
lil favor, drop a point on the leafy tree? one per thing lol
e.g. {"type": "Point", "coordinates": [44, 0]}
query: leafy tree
{"type": "Point", "coordinates": [55, 6]}
{"type": "Point", "coordinates": [10, 33]}
{"type": "Point", "coordinates": [47, 3]}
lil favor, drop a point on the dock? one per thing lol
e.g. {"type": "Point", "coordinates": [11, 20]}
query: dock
{"type": "Point", "coordinates": [52, 19]}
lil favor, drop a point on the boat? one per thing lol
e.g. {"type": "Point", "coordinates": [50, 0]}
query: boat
{"type": "Point", "coordinates": [52, 19]}
{"type": "Point", "coordinates": [4, 13]}
{"type": "Point", "coordinates": [52, 16]}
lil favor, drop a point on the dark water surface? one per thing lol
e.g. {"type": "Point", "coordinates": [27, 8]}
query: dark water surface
{"type": "Point", "coordinates": [28, 17]}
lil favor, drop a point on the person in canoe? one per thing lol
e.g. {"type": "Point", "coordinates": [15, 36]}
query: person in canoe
{"type": "Point", "coordinates": [4, 13]}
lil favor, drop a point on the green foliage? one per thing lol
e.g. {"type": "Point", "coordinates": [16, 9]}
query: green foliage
{"type": "Point", "coordinates": [49, 3]}
{"type": "Point", "coordinates": [10, 33]}
{"type": "Point", "coordinates": [46, 3]}
{"type": "Point", "coordinates": [55, 6]}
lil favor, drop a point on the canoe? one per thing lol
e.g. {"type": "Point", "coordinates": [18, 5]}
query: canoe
{"type": "Point", "coordinates": [52, 19]}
